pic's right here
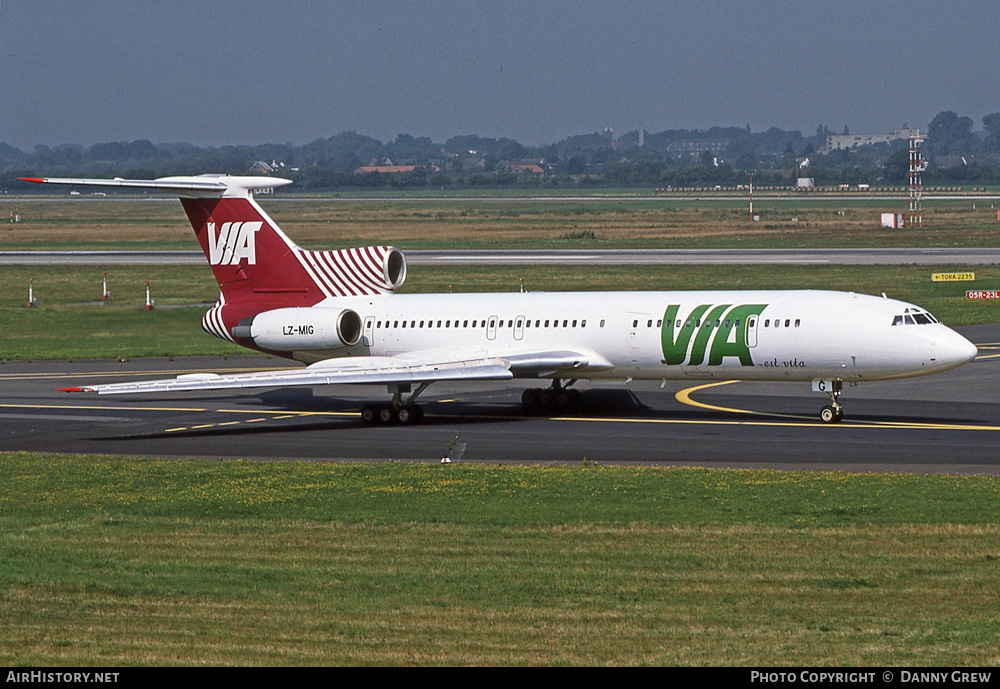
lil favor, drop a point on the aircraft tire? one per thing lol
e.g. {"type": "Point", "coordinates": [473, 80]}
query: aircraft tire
{"type": "Point", "coordinates": [830, 414]}
{"type": "Point", "coordinates": [387, 415]}
{"type": "Point", "coordinates": [408, 415]}
{"type": "Point", "coordinates": [369, 414]}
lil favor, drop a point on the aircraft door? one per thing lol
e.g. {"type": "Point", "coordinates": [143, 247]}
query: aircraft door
{"type": "Point", "coordinates": [368, 339]}
{"type": "Point", "coordinates": [636, 321]}
{"type": "Point", "coordinates": [491, 330]}
{"type": "Point", "coordinates": [519, 327]}
{"type": "Point", "coordinates": [752, 331]}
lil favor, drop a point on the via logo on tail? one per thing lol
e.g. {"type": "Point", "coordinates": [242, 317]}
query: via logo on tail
{"type": "Point", "coordinates": [233, 242]}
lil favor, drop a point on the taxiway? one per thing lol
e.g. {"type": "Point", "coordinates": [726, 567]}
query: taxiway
{"type": "Point", "coordinates": [946, 423]}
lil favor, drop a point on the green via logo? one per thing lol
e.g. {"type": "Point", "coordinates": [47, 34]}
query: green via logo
{"type": "Point", "coordinates": [728, 338]}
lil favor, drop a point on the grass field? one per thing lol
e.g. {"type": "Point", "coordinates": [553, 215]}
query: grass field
{"type": "Point", "coordinates": [513, 223]}
{"type": "Point", "coordinates": [70, 322]}
{"type": "Point", "coordinates": [120, 561]}
{"type": "Point", "coordinates": [111, 561]}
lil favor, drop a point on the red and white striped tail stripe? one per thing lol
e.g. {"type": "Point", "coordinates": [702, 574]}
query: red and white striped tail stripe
{"type": "Point", "coordinates": [349, 272]}
{"type": "Point", "coordinates": [213, 324]}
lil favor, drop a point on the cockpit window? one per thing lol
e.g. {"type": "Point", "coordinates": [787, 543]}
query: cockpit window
{"type": "Point", "coordinates": [913, 316]}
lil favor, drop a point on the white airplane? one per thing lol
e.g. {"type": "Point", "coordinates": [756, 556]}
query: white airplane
{"type": "Point", "coordinates": [336, 312]}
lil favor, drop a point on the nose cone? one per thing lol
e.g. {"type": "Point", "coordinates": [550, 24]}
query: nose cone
{"type": "Point", "coordinates": [951, 349]}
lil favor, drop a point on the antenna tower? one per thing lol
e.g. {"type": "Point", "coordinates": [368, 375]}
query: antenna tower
{"type": "Point", "coordinates": [917, 168]}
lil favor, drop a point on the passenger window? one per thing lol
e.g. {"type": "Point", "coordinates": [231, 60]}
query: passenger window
{"type": "Point", "coordinates": [574, 324]}
{"type": "Point", "coordinates": [787, 322]}
{"type": "Point", "coordinates": [659, 322]}
{"type": "Point", "coordinates": [602, 322]}
{"type": "Point", "coordinates": [583, 323]}
{"type": "Point", "coordinates": [649, 323]}
{"type": "Point", "coordinates": [635, 323]}
{"type": "Point", "coordinates": [797, 322]}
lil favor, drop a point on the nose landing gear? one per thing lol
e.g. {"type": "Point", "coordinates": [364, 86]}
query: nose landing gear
{"type": "Point", "coordinates": [833, 412]}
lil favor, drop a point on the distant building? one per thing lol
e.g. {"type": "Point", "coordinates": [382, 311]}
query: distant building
{"type": "Point", "coordinates": [953, 161]}
{"type": "Point", "coordinates": [266, 168]}
{"type": "Point", "coordinates": [526, 168]}
{"type": "Point", "coordinates": [839, 141]}
{"type": "Point", "coordinates": [695, 147]}
{"type": "Point", "coordinates": [393, 169]}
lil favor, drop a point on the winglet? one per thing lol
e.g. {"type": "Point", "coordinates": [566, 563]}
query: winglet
{"type": "Point", "coordinates": [74, 389]}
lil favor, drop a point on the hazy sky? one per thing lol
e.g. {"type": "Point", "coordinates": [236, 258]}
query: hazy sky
{"type": "Point", "coordinates": [257, 71]}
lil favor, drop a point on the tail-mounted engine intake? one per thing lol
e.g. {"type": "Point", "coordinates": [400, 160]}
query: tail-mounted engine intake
{"type": "Point", "coordinates": [352, 272]}
{"type": "Point", "coordinates": [290, 329]}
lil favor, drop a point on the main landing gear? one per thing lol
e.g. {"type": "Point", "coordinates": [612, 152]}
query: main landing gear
{"type": "Point", "coordinates": [834, 412]}
{"type": "Point", "coordinates": [553, 399]}
{"type": "Point", "coordinates": [397, 411]}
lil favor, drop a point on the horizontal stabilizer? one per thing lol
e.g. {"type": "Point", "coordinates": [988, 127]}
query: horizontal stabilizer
{"type": "Point", "coordinates": [195, 186]}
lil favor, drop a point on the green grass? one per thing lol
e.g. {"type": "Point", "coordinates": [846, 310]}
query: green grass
{"type": "Point", "coordinates": [67, 325]}
{"type": "Point", "coordinates": [514, 223]}
{"type": "Point", "coordinates": [122, 561]}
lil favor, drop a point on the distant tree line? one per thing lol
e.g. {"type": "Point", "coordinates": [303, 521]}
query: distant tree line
{"type": "Point", "coordinates": [676, 158]}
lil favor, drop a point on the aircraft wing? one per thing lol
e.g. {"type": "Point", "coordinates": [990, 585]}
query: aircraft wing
{"type": "Point", "coordinates": [363, 369]}
{"type": "Point", "coordinates": [415, 368]}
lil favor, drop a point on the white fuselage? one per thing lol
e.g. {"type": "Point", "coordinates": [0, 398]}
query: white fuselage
{"type": "Point", "coordinates": [742, 335]}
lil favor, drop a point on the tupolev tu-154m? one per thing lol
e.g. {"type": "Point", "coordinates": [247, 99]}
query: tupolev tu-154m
{"type": "Point", "coordinates": [336, 312]}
